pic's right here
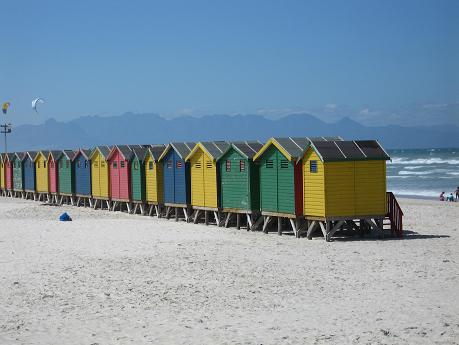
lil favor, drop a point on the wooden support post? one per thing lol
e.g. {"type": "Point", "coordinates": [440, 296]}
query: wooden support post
{"type": "Point", "coordinates": [227, 220]}
{"type": "Point", "coordinates": [327, 231]}
{"type": "Point", "coordinates": [257, 223]}
{"type": "Point", "coordinates": [279, 226]}
{"type": "Point", "coordinates": [249, 221]}
{"type": "Point", "coordinates": [185, 214]}
{"type": "Point", "coordinates": [217, 217]}
{"type": "Point", "coordinates": [335, 228]}
{"type": "Point", "coordinates": [238, 221]}
{"type": "Point", "coordinates": [157, 211]}
{"type": "Point", "coordinates": [196, 216]}
{"type": "Point", "coordinates": [150, 212]}
{"type": "Point", "coordinates": [266, 220]}
{"type": "Point", "coordinates": [311, 228]}
{"type": "Point", "coordinates": [168, 208]}
{"type": "Point", "coordinates": [176, 214]}
{"type": "Point", "coordinates": [128, 206]}
{"type": "Point", "coordinates": [206, 217]}
{"type": "Point", "coordinates": [292, 223]}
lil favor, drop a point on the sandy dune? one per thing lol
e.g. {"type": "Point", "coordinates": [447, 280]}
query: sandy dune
{"type": "Point", "coordinates": [113, 278]}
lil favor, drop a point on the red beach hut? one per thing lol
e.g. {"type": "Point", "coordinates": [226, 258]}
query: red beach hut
{"type": "Point", "coordinates": [9, 171]}
{"type": "Point", "coordinates": [120, 172]}
{"type": "Point", "coordinates": [52, 171]}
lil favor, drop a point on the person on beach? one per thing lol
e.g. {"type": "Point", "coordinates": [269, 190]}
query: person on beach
{"type": "Point", "coordinates": [442, 196]}
{"type": "Point", "coordinates": [450, 198]}
{"type": "Point", "coordinates": [457, 193]}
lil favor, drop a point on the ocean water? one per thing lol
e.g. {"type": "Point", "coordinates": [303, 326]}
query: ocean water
{"type": "Point", "coordinates": [423, 173]}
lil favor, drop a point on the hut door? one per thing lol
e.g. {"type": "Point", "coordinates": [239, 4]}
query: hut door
{"type": "Point", "coordinates": [268, 181]}
{"type": "Point", "coordinates": [285, 185]}
{"type": "Point", "coordinates": [197, 179]}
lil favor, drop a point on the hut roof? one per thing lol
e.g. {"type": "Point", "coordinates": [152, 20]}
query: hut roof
{"type": "Point", "coordinates": [86, 154]}
{"type": "Point", "coordinates": [104, 150]}
{"type": "Point", "coordinates": [43, 152]}
{"type": "Point", "coordinates": [30, 154]}
{"type": "Point", "coordinates": [140, 153]}
{"type": "Point", "coordinates": [10, 156]}
{"type": "Point", "coordinates": [18, 155]}
{"type": "Point", "coordinates": [292, 148]}
{"type": "Point", "coordinates": [248, 149]}
{"type": "Point", "coordinates": [215, 149]}
{"type": "Point", "coordinates": [156, 151]}
{"type": "Point", "coordinates": [330, 151]}
{"type": "Point", "coordinates": [183, 149]}
{"type": "Point", "coordinates": [67, 153]}
{"type": "Point", "coordinates": [54, 154]}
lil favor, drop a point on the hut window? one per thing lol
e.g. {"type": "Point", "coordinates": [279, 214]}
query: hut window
{"type": "Point", "coordinates": [269, 164]}
{"type": "Point", "coordinates": [284, 164]}
{"type": "Point", "coordinates": [115, 165]}
{"type": "Point", "coordinates": [96, 165]}
{"type": "Point", "coordinates": [198, 165]}
{"type": "Point", "coordinates": [228, 165]}
{"type": "Point", "coordinates": [150, 165]}
{"type": "Point", "coordinates": [242, 165]}
{"type": "Point", "coordinates": [38, 164]}
{"type": "Point", "coordinates": [179, 164]}
{"type": "Point", "coordinates": [85, 164]}
{"type": "Point", "coordinates": [102, 164]}
{"type": "Point", "coordinates": [313, 167]}
{"type": "Point", "coordinates": [44, 164]}
{"type": "Point", "coordinates": [169, 164]}
{"type": "Point", "coordinates": [122, 164]}
{"type": "Point", "coordinates": [209, 165]}
{"type": "Point", "coordinates": [136, 166]}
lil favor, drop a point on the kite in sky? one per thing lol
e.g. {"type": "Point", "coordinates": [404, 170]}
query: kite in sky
{"type": "Point", "coordinates": [5, 107]}
{"type": "Point", "coordinates": [35, 102]}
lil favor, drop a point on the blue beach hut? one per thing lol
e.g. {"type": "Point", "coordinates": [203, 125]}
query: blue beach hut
{"type": "Point", "coordinates": [82, 168]}
{"type": "Point", "coordinates": [176, 173]}
{"type": "Point", "coordinates": [29, 171]}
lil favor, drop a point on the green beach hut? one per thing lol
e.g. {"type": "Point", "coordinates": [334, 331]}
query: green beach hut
{"type": "Point", "coordinates": [138, 173]}
{"type": "Point", "coordinates": [66, 174]}
{"type": "Point", "coordinates": [239, 181]}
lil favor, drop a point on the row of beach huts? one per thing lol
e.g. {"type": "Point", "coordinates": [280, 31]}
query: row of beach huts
{"type": "Point", "coordinates": [321, 184]}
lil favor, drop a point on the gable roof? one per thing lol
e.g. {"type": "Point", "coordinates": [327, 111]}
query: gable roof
{"type": "Point", "coordinates": [44, 153]}
{"type": "Point", "coordinates": [156, 151]}
{"type": "Point", "coordinates": [214, 149]}
{"type": "Point", "coordinates": [84, 152]}
{"type": "Point", "coordinates": [357, 150]}
{"type": "Point", "coordinates": [54, 154]}
{"type": "Point", "coordinates": [139, 152]}
{"type": "Point", "coordinates": [292, 148]}
{"type": "Point", "coordinates": [30, 154]}
{"type": "Point", "coordinates": [183, 149]}
{"type": "Point", "coordinates": [67, 153]}
{"type": "Point", "coordinates": [104, 150]}
{"type": "Point", "coordinates": [247, 149]}
{"type": "Point", "coordinates": [7, 157]}
{"type": "Point", "coordinates": [18, 155]}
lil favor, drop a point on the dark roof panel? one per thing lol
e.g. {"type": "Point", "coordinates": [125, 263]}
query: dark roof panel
{"type": "Point", "coordinates": [350, 150]}
{"type": "Point", "coordinates": [125, 151]}
{"type": "Point", "coordinates": [248, 148]}
{"type": "Point", "coordinates": [104, 150]}
{"type": "Point", "coordinates": [55, 154]}
{"type": "Point", "coordinates": [328, 150]}
{"type": "Point", "coordinates": [157, 150]}
{"type": "Point", "coordinates": [140, 153]}
{"type": "Point", "coordinates": [216, 148]}
{"type": "Point", "coordinates": [183, 149]}
{"type": "Point", "coordinates": [372, 149]}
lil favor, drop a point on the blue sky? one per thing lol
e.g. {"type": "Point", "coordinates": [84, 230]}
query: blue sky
{"type": "Point", "coordinates": [375, 61]}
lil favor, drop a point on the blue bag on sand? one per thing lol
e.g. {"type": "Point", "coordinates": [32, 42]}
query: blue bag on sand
{"type": "Point", "coordinates": [64, 217]}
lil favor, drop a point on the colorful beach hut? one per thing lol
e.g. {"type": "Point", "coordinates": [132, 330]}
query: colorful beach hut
{"type": "Point", "coordinates": [9, 172]}
{"type": "Point", "coordinates": [41, 172]}
{"type": "Point", "coordinates": [281, 182]}
{"type": "Point", "coordinates": [53, 183]}
{"type": "Point", "coordinates": [119, 169]}
{"type": "Point", "coordinates": [65, 174]}
{"type": "Point", "coordinates": [154, 176]}
{"type": "Point", "coordinates": [176, 177]}
{"type": "Point", "coordinates": [239, 180]}
{"type": "Point", "coordinates": [82, 167]}
{"type": "Point", "coordinates": [205, 175]}
{"type": "Point", "coordinates": [138, 174]}
{"type": "Point", "coordinates": [18, 172]}
{"type": "Point", "coordinates": [2, 173]}
{"type": "Point", "coordinates": [29, 173]}
{"type": "Point", "coordinates": [100, 178]}
{"type": "Point", "coordinates": [344, 180]}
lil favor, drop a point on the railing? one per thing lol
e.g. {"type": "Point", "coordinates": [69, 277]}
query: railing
{"type": "Point", "coordinates": [395, 214]}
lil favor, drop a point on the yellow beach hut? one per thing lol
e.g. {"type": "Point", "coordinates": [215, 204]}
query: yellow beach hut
{"type": "Point", "coordinates": [154, 176]}
{"type": "Point", "coordinates": [344, 180]}
{"type": "Point", "coordinates": [2, 174]}
{"type": "Point", "coordinates": [100, 176]}
{"type": "Point", "coordinates": [41, 172]}
{"type": "Point", "coordinates": [204, 172]}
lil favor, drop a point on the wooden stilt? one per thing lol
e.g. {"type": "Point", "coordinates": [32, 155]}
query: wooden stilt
{"type": "Point", "coordinates": [279, 226]}
{"type": "Point", "coordinates": [227, 220]}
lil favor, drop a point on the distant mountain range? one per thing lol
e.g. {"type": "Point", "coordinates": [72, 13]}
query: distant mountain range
{"type": "Point", "coordinates": [129, 128]}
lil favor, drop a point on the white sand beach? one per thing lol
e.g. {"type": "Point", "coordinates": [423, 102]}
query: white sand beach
{"type": "Point", "coordinates": [114, 278]}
